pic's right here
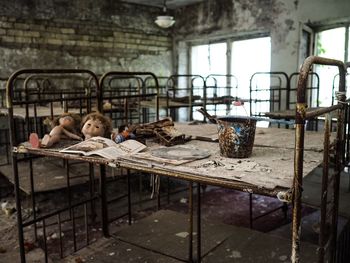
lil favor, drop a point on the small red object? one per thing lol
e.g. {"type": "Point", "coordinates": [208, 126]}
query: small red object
{"type": "Point", "coordinates": [28, 246]}
{"type": "Point", "coordinates": [238, 103]}
{"type": "Point", "coordinates": [34, 140]}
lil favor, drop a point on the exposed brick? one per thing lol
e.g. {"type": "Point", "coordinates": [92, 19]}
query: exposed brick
{"type": "Point", "coordinates": [152, 48]}
{"type": "Point", "coordinates": [23, 39]}
{"type": "Point", "coordinates": [107, 45]}
{"type": "Point", "coordinates": [131, 46]}
{"type": "Point", "coordinates": [67, 31]}
{"type": "Point", "coordinates": [4, 24]}
{"type": "Point", "coordinates": [80, 38]}
{"type": "Point", "coordinates": [8, 39]}
{"type": "Point", "coordinates": [31, 34]}
{"type": "Point", "coordinates": [35, 27]}
{"type": "Point", "coordinates": [54, 41]}
{"type": "Point", "coordinates": [13, 32]}
{"type": "Point", "coordinates": [52, 29]}
{"type": "Point", "coordinates": [82, 43]}
{"type": "Point", "coordinates": [110, 39]}
{"type": "Point", "coordinates": [119, 45]}
{"type": "Point", "coordinates": [21, 26]}
{"type": "Point", "coordinates": [70, 42]}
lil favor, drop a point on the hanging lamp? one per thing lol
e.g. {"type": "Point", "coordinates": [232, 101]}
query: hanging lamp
{"type": "Point", "coordinates": [165, 21]}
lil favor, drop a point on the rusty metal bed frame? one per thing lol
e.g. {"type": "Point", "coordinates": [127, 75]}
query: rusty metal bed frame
{"type": "Point", "coordinates": [329, 179]}
{"type": "Point", "coordinates": [184, 91]}
{"type": "Point", "coordinates": [310, 98]}
{"type": "Point", "coordinates": [31, 123]}
{"type": "Point", "coordinates": [191, 91]}
{"type": "Point", "coordinates": [273, 94]}
{"type": "Point", "coordinates": [125, 94]}
{"type": "Point", "coordinates": [95, 94]}
{"type": "Point", "coordinates": [281, 96]}
{"type": "Point", "coordinates": [221, 91]}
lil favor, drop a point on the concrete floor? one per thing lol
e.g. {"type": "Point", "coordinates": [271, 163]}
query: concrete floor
{"type": "Point", "coordinates": [161, 236]}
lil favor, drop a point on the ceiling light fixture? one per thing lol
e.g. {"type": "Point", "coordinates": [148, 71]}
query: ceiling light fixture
{"type": "Point", "coordinates": [165, 21]}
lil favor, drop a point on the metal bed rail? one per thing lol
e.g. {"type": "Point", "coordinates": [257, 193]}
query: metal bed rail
{"type": "Point", "coordinates": [330, 180]}
{"type": "Point", "coordinates": [335, 88]}
{"type": "Point", "coordinates": [125, 92]}
{"type": "Point", "coordinates": [31, 100]}
{"type": "Point", "coordinates": [268, 92]}
{"type": "Point", "coordinates": [312, 96]}
{"type": "Point", "coordinates": [188, 91]}
{"type": "Point", "coordinates": [221, 90]}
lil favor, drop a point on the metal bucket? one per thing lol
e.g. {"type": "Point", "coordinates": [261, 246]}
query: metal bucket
{"type": "Point", "coordinates": [236, 136]}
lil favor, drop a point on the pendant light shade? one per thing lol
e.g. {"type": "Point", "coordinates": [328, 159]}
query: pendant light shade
{"type": "Point", "coordinates": [165, 21]}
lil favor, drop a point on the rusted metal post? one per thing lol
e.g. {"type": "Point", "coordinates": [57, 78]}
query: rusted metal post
{"type": "Point", "coordinates": [324, 191]}
{"type": "Point", "coordinates": [338, 168]}
{"type": "Point", "coordinates": [103, 196]}
{"type": "Point", "coordinates": [300, 117]}
{"type": "Point", "coordinates": [190, 230]}
{"type": "Point", "coordinates": [199, 226]}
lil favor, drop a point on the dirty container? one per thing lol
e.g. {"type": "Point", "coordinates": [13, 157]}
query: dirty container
{"type": "Point", "coordinates": [236, 136]}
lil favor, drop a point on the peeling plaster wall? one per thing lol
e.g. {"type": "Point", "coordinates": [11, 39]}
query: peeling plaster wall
{"type": "Point", "coordinates": [281, 19]}
{"type": "Point", "coordinates": [104, 35]}
{"type": "Point", "coordinates": [100, 35]}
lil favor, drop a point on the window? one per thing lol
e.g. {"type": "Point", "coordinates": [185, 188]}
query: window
{"type": "Point", "coordinates": [331, 43]}
{"type": "Point", "coordinates": [209, 59]}
{"type": "Point", "coordinates": [243, 57]}
{"type": "Point", "coordinates": [250, 56]}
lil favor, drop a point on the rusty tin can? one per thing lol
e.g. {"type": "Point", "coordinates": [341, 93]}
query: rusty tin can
{"type": "Point", "coordinates": [236, 136]}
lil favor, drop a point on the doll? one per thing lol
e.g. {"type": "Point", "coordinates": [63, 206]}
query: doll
{"type": "Point", "coordinates": [124, 133]}
{"type": "Point", "coordinates": [95, 124]}
{"type": "Point", "coordinates": [65, 126]}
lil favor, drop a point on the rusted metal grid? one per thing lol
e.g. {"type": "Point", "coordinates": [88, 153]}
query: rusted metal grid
{"type": "Point", "coordinates": [123, 95]}
{"type": "Point", "coordinates": [183, 172]}
{"type": "Point", "coordinates": [269, 171]}
{"type": "Point", "coordinates": [77, 91]}
{"type": "Point", "coordinates": [330, 180]}
{"type": "Point", "coordinates": [278, 99]}
{"type": "Point", "coordinates": [40, 94]}
{"type": "Point", "coordinates": [268, 92]}
{"type": "Point", "coordinates": [181, 94]}
{"type": "Point", "coordinates": [221, 92]}
{"type": "Point", "coordinates": [184, 92]}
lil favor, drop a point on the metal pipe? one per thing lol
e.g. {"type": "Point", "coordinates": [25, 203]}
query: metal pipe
{"type": "Point", "coordinates": [103, 195]}
{"type": "Point", "coordinates": [324, 191]}
{"type": "Point", "coordinates": [129, 196]}
{"type": "Point", "coordinates": [299, 142]}
{"type": "Point", "coordinates": [199, 228]}
{"type": "Point", "coordinates": [190, 228]}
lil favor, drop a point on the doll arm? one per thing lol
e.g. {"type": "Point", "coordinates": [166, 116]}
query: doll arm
{"type": "Point", "coordinates": [71, 135]}
{"type": "Point", "coordinates": [52, 138]}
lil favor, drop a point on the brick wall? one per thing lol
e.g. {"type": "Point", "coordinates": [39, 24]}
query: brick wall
{"type": "Point", "coordinates": [99, 38]}
{"type": "Point", "coordinates": [90, 39]}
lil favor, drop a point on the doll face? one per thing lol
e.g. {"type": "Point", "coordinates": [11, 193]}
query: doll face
{"type": "Point", "coordinates": [93, 128]}
{"type": "Point", "coordinates": [66, 121]}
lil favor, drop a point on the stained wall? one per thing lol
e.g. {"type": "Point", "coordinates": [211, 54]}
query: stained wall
{"type": "Point", "coordinates": [99, 35]}
{"type": "Point", "coordinates": [283, 20]}
{"type": "Point", "coordinates": [103, 35]}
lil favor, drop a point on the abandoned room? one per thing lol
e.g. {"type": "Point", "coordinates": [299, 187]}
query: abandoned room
{"type": "Point", "coordinates": [174, 131]}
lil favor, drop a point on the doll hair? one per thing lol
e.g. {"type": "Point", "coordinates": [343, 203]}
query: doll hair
{"type": "Point", "coordinates": [55, 121]}
{"type": "Point", "coordinates": [106, 122]}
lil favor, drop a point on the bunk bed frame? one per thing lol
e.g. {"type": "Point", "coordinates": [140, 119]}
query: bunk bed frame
{"type": "Point", "coordinates": [190, 172]}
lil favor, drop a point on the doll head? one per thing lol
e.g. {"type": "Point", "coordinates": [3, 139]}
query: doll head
{"type": "Point", "coordinates": [69, 121]}
{"type": "Point", "coordinates": [95, 124]}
